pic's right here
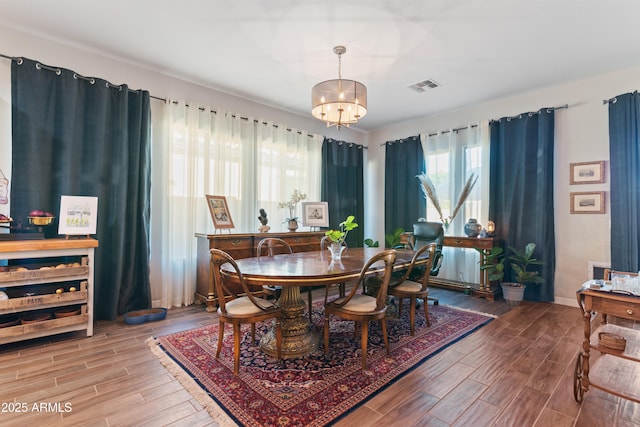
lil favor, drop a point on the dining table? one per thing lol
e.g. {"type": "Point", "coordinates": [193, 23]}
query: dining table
{"type": "Point", "coordinates": [293, 271]}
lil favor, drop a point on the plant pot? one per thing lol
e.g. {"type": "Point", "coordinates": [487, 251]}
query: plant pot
{"type": "Point", "coordinates": [292, 225]}
{"type": "Point", "coordinates": [513, 293]}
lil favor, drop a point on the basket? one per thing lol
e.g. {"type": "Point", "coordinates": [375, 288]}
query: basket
{"type": "Point", "coordinates": [612, 341]}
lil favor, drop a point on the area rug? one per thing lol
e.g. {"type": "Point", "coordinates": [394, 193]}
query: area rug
{"type": "Point", "coordinates": [308, 391]}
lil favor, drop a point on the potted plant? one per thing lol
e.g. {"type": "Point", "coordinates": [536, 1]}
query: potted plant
{"type": "Point", "coordinates": [337, 236]}
{"type": "Point", "coordinates": [292, 219]}
{"type": "Point", "coordinates": [519, 261]}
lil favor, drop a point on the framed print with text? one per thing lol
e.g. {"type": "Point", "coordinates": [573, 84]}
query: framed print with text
{"type": "Point", "coordinates": [78, 215]}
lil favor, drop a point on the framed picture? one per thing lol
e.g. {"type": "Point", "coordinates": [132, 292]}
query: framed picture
{"type": "Point", "coordinates": [219, 212]}
{"type": "Point", "coordinates": [587, 202]}
{"type": "Point", "coordinates": [78, 215]}
{"type": "Point", "coordinates": [587, 173]}
{"type": "Point", "coordinates": [315, 214]}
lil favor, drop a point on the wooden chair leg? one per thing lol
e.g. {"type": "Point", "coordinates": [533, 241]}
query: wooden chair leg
{"type": "Point", "coordinates": [310, 305]}
{"type": "Point", "coordinates": [426, 312]}
{"type": "Point", "coordinates": [385, 337]}
{"type": "Point", "coordinates": [253, 333]}
{"type": "Point", "coordinates": [220, 337]}
{"type": "Point", "coordinates": [326, 334]}
{"type": "Point", "coordinates": [364, 337]}
{"type": "Point", "coordinates": [236, 348]}
{"type": "Point", "coordinates": [412, 315]}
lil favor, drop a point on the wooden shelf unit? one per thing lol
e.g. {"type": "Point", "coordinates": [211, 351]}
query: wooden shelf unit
{"type": "Point", "coordinates": [614, 371]}
{"type": "Point", "coordinates": [45, 281]}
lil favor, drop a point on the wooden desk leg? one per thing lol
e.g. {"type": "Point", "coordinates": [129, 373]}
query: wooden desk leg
{"type": "Point", "coordinates": [297, 337]}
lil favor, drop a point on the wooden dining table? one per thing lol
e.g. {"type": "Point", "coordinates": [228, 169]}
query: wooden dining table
{"type": "Point", "coordinates": [291, 271]}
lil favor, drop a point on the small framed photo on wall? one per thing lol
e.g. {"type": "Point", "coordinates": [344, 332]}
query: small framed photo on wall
{"type": "Point", "coordinates": [587, 173]}
{"type": "Point", "coordinates": [219, 212]}
{"type": "Point", "coordinates": [588, 202]}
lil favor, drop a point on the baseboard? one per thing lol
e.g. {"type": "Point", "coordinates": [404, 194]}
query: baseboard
{"type": "Point", "coordinates": [571, 302]}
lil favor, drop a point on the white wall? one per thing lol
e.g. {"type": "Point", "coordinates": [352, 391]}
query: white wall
{"type": "Point", "coordinates": [581, 135]}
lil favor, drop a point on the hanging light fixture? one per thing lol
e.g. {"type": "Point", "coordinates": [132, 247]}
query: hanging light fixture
{"type": "Point", "coordinates": [339, 102]}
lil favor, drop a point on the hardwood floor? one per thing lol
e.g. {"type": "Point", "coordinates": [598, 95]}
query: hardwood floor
{"type": "Point", "coordinates": [516, 371]}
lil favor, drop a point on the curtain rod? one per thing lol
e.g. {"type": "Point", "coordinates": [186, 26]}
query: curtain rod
{"type": "Point", "coordinates": [235, 116]}
{"type": "Point", "coordinates": [609, 101]}
{"type": "Point", "coordinates": [547, 109]}
{"type": "Point", "coordinates": [57, 71]}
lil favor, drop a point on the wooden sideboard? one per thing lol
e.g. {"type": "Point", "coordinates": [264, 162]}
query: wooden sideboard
{"type": "Point", "coordinates": [242, 246]}
{"type": "Point", "coordinates": [485, 288]}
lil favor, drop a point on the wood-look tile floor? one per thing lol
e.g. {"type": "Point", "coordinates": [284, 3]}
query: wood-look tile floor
{"type": "Point", "coordinates": [516, 371]}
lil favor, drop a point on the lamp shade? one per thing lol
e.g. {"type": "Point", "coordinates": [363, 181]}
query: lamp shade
{"type": "Point", "coordinates": [339, 102]}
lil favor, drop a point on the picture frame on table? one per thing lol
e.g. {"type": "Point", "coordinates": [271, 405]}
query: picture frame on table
{"type": "Point", "coordinates": [219, 212]}
{"type": "Point", "coordinates": [587, 202]}
{"type": "Point", "coordinates": [315, 214]}
{"type": "Point", "coordinates": [78, 215]}
{"type": "Point", "coordinates": [587, 173]}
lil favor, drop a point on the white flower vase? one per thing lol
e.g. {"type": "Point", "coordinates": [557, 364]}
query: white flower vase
{"type": "Point", "coordinates": [336, 250]}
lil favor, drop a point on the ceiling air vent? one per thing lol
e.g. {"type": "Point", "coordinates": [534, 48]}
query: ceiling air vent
{"type": "Point", "coordinates": [424, 85]}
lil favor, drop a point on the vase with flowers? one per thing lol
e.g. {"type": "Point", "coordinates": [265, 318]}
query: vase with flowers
{"type": "Point", "coordinates": [292, 204]}
{"type": "Point", "coordinates": [337, 237]}
{"type": "Point", "coordinates": [429, 192]}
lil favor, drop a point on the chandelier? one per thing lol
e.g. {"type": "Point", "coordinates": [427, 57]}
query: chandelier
{"type": "Point", "coordinates": [339, 102]}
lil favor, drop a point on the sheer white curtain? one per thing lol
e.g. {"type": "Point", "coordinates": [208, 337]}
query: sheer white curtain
{"type": "Point", "coordinates": [450, 157]}
{"type": "Point", "coordinates": [287, 160]}
{"type": "Point", "coordinates": [204, 153]}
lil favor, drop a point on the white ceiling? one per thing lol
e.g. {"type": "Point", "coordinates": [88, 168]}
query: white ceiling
{"type": "Point", "coordinates": [274, 51]}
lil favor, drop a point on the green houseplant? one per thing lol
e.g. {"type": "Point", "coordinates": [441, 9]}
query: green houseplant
{"type": "Point", "coordinates": [520, 261]}
{"type": "Point", "coordinates": [337, 236]}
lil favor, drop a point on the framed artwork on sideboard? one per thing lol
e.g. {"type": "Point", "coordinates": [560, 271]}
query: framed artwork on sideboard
{"type": "Point", "coordinates": [315, 214]}
{"type": "Point", "coordinates": [219, 212]}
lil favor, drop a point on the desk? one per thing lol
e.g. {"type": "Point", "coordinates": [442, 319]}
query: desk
{"type": "Point", "coordinates": [304, 269]}
{"type": "Point", "coordinates": [485, 288]}
{"type": "Point", "coordinates": [615, 371]}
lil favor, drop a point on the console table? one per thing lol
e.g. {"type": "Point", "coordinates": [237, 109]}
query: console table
{"type": "Point", "coordinates": [485, 288]}
{"type": "Point", "coordinates": [240, 246]}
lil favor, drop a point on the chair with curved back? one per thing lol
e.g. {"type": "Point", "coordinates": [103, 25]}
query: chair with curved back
{"type": "Point", "coordinates": [238, 309]}
{"type": "Point", "coordinates": [273, 246]}
{"type": "Point", "coordinates": [415, 289]}
{"type": "Point", "coordinates": [363, 308]}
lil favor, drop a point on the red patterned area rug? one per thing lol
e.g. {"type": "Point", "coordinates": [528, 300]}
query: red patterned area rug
{"type": "Point", "coordinates": [308, 391]}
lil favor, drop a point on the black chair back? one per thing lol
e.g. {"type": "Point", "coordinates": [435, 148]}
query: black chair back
{"type": "Point", "coordinates": [430, 232]}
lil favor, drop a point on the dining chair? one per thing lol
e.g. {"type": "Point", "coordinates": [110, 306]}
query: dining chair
{"type": "Point", "coordinates": [324, 243]}
{"type": "Point", "coordinates": [425, 232]}
{"type": "Point", "coordinates": [270, 246]}
{"type": "Point", "coordinates": [363, 308]}
{"type": "Point", "coordinates": [417, 288]}
{"type": "Point", "coordinates": [240, 308]}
